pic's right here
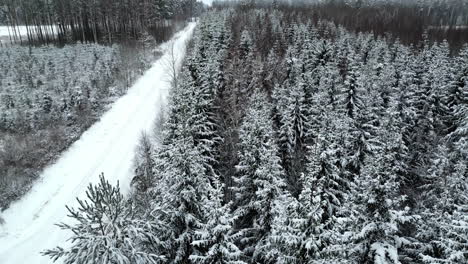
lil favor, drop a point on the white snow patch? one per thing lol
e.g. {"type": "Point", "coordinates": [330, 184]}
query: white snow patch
{"type": "Point", "coordinates": [6, 32]}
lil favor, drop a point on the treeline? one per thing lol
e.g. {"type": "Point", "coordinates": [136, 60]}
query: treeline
{"type": "Point", "coordinates": [289, 141]}
{"type": "Point", "coordinates": [94, 21]}
{"type": "Point", "coordinates": [409, 21]}
{"type": "Point", "coordinates": [3, 16]}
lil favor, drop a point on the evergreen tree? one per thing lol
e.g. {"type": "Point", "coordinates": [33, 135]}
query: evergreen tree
{"type": "Point", "coordinates": [244, 68]}
{"type": "Point", "coordinates": [217, 237]}
{"type": "Point", "coordinates": [361, 121]}
{"type": "Point", "coordinates": [294, 124]}
{"type": "Point", "coordinates": [378, 212]}
{"type": "Point", "coordinates": [285, 239]}
{"type": "Point", "coordinates": [184, 165]}
{"type": "Point", "coordinates": [143, 178]}
{"type": "Point", "coordinates": [321, 199]}
{"type": "Point", "coordinates": [445, 221]}
{"type": "Point", "coordinates": [183, 192]}
{"type": "Point", "coordinates": [108, 231]}
{"type": "Point", "coordinates": [259, 182]}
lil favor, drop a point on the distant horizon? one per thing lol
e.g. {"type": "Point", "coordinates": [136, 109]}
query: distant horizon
{"type": "Point", "coordinates": [208, 2]}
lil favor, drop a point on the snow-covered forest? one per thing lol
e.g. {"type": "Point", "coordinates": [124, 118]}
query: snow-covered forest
{"type": "Point", "coordinates": [49, 21]}
{"type": "Point", "coordinates": [50, 94]}
{"type": "Point", "coordinates": [44, 100]}
{"type": "Point", "coordinates": [291, 136]}
{"type": "Point", "coordinates": [289, 141]}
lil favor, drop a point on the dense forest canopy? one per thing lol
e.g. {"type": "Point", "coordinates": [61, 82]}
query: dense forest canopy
{"type": "Point", "coordinates": [408, 20]}
{"type": "Point", "coordinates": [294, 140]}
{"type": "Point", "coordinates": [296, 132]}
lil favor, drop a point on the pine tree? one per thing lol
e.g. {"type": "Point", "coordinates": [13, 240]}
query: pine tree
{"type": "Point", "coordinates": [321, 199]}
{"type": "Point", "coordinates": [184, 165]}
{"type": "Point", "coordinates": [456, 98]}
{"type": "Point", "coordinates": [244, 68]}
{"type": "Point", "coordinates": [378, 211]}
{"type": "Point", "coordinates": [354, 103]}
{"type": "Point", "coordinates": [217, 237]}
{"type": "Point", "coordinates": [402, 114]}
{"type": "Point", "coordinates": [294, 124]}
{"type": "Point", "coordinates": [107, 231]}
{"type": "Point", "coordinates": [285, 239]}
{"type": "Point", "coordinates": [259, 181]}
{"type": "Point", "coordinates": [193, 104]}
{"type": "Point", "coordinates": [444, 228]}
{"type": "Point", "coordinates": [143, 178]}
{"type": "Point", "coordinates": [421, 131]}
{"type": "Point", "coordinates": [181, 197]}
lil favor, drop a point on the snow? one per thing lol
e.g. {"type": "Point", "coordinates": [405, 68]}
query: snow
{"type": "Point", "coordinates": [208, 2]}
{"type": "Point", "coordinates": [5, 32]}
{"type": "Point", "coordinates": [22, 30]}
{"type": "Point", "coordinates": [107, 147]}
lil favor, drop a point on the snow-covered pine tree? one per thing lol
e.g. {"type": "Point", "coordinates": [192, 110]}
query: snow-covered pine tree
{"type": "Point", "coordinates": [381, 78]}
{"type": "Point", "coordinates": [193, 103]}
{"type": "Point", "coordinates": [260, 179]}
{"type": "Point", "coordinates": [393, 122]}
{"type": "Point", "coordinates": [439, 76]}
{"type": "Point", "coordinates": [206, 79]}
{"type": "Point", "coordinates": [321, 199]}
{"type": "Point", "coordinates": [377, 210]}
{"type": "Point", "coordinates": [420, 133]}
{"type": "Point", "coordinates": [144, 164]}
{"type": "Point", "coordinates": [285, 238]}
{"type": "Point", "coordinates": [401, 112]}
{"type": "Point", "coordinates": [217, 237]}
{"type": "Point", "coordinates": [353, 103]}
{"type": "Point", "coordinates": [244, 67]}
{"type": "Point", "coordinates": [184, 163]}
{"type": "Point", "coordinates": [202, 121]}
{"type": "Point", "coordinates": [456, 96]}
{"type": "Point", "coordinates": [108, 231]}
{"type": "Point", "coordinates": [444, 230]}
{"type": "Point", "coordinates": [180, 201]}
{"type": "Point", "coordinates": [144, 178]}
{"type": "Point", "coordinates": [458, 109]}
{"type": "Point", "coordinates": [362, 124]}
{"type": "Point", "coordinates": [294, 124]}
{"type": "Point", "coordinates": [327, 95]}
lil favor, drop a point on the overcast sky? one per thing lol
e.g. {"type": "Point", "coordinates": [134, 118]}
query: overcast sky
{"type": "Point", "coordinates": [206, 1]}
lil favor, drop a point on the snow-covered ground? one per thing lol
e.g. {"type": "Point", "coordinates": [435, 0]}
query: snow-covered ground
{"type": "Point", "coordinates": [107, 147]}
{"type": "Point", "coordinates": [22, 30]}
{"type": "Point", "coordinates": [5, 32]}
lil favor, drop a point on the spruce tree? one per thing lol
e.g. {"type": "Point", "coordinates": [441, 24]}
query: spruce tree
{"type": "Point", "coordinates": [108, 231]}
{"type": "Point", "coordinates": [216, 237]}
{"type": "Point", "coordinates": [260, 179]}
{"type": "Point", "coordinates": [285, 239]}
{"type": "Point", "coordinates": [184, 164]}
{"type": "Point", "coordinates": [321, 199]}
{"type": "Point", "coordinates": [378, 211]}
{"type": "Point", "coordinates": [444, 228]}
{"type": "Point", "coordinates": [294, 122]}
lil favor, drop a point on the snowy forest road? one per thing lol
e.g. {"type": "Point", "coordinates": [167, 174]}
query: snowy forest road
{"type": "Point", "coordinates": [107, 147]}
